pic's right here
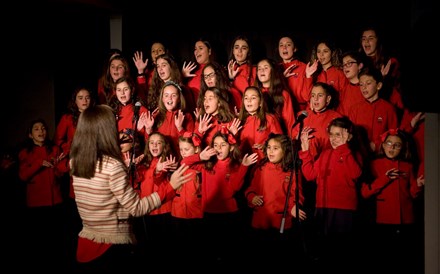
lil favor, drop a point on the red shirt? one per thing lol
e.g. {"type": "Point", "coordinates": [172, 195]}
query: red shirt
{"type": "Point", "coordinates": [42, 186]}
{"type": "Point", "coordinates": [336, 173]}
{"type": "Point", "coordinates": [319, 121]}
{"type": "Point", "coordinates": [349, 96]}
{"type": "Point", "coordinates": [272, 183]}
{"type": "Point", "coordinates": [194, 82]}
{"type": "Point", "coordinates": [64, 133]}
{"type": "Point", "coordinates": [297, 85]}
{"type": "Point", "coordinates": [251, 135]}
{"type": "Point", "coordinates": [125, 118]}
{"type": "Point", "coordinates": [376, 118]}
{"type": "Point", "coordinates": [219, 185]}
{"type": "Point", "coordinates": [245, 77]}
{"type": "Point", "coordinates": [209, 134]}
{"type": "Point", "coordinates": [168, 128]}
{"type": "Point", "coordinates": [187, 203]}
{"type": "Point", "coordinates": [394, 198]}
{"type": "Point", "coordinates": [287, 114]}
{"type": "Point", "coordinates": [152, 182]}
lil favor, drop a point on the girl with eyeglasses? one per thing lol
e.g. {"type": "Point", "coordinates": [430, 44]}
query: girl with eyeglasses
{"type": "Point", "coordinates": [337, 173]}
{"type": "Point", "coordinates": [352, 64]}
{"type": "Point", "coordinates": [215, 75]}
{"type": "Point", "coordinates": [395, 187]}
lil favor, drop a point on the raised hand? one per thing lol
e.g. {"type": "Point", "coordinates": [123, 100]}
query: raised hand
{"type": "Point", "coordinates": [178, 179]}
{"type": "Point", "coordinates": [231, 71]}
{"type": "Point", "coordinates": [139, 62]}
{"type": "Point", "coordinates": [205, 123]}
{"type": "Point", "coordinates": [187, 68]}
{"type": "Point", "coordinates": [234, 127]}
{"type": "Point", "coordinates": [289, 71]}
{"type": "Point", "coordinates": [146, 120]}
{"type": "Point", "coordinates": [207, 153]}
{"type": "Point", "coordinates": [178, 120]}
{"type": "Point", "coordinates": [249, 159]}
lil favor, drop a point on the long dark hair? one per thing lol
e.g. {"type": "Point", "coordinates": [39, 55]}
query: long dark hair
{"type": "Point", "coordinates": [96, 136]}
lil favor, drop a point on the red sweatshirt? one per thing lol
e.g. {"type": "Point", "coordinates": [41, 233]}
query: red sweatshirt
{"type": "Point", "coordinates": [219, 184]}
{"type": "Point", "coordinates": [297, 84]}
{"type": "Point", "coordinates": [394, 198]}
{"type": "Point", "coordinates": [271, 182]}
{"type": "Point", "coordinates": [319, 121]}
{"type": "Point", "coordinates": [336, 173]}
{"type": "Point", "coordinates": [42, 187]}
{"type": "Point", "coordinates": [376, 118]}
{"type": "Point", "coordinates": [251, 135]}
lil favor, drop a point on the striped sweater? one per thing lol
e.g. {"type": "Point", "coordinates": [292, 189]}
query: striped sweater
{"type": "Point", "coordinates": [107, 201]}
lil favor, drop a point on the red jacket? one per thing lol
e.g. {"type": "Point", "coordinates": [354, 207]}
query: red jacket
{"type": "Point", "coordinates": [336, 173]}
{"type": "Point", "coordinates": [319, 121]}
{"type": "Point", "coordinates": [209, 134]}
{"type": "Point", "coordinates": [394, 198]}
{"type": "Point", "coordinates": [168, 128]}
{"type": "Point", "coordinates": [64, 133]}
{"type": "Point", "coordinates": [152, 182]}
{"type": "Point", "coordinates": [247, 73]}
{"type": "Point", "coordinates": [376, 118]}
{"type": "Point", "coordinates": [287, 114]}
{"type": "Point", "coordinates": [63, 138]}
{"type": "Point", "coordinates": [187, 203]}
{"type": "Point", "coordinates": [42, 185]}
{"type": "Point", "coordinates": [219, 185]}
{"type": "Point", "coordinates": [194, 83]}
{"type": "Point", "coordinates": [350, 95]}
{"type": "Point", "coordinates": [297, 83]}
{"type": "Point", "coordinates": [251, 135]}
{"type": "Point", "coordinates": [272, 183]}
{"type": "Point", "coordinates": [125, 118]}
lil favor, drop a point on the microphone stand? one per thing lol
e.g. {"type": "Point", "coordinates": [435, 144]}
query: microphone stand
{"type": "Point", "coordinates": [294, 172]}
{"type": "Point", "coordinates": [132, 166]}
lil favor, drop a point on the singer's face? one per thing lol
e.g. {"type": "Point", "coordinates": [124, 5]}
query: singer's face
{"type": "Point", "coordinates": [163, 69]}
{"type": "Point", "coordinates": [222, 147]}
{"type": "Point", "coordinates": [156, 50]}
{"type": "Point", "coordinates": [155, 145]}
{"type": "Point", "coordinates": [211, 103]}
{"type": "Point", "coordinates": [186, 149]}
{"type": "Point", "coordinates": [274, 151]}
{"type": "Point", "coordinates": [319, 99]}
{"type": "Point", "coordinates": [170, 97]}
{"type": "Point", "coordinates": [123, 92]}
{"type": "Point", "coordinates": [264, 70]}
{"type": "Point", "coordinates": [241, 51]}
{"type": "Point", "coordinates": [117, 69]}
{"type": "Point", "coordinates": [82, 100]}
{"type": "Point", "coordinates": [38, 133]}
{"type": "Point", "coordinates": [369, 42]}
{"type": "Point", "coordinates": [209, 77]}
{"type": "Point", "coordinates": [286, 48]}
{"type": "Point", "coordinates": [201, 52]}
{"type": "Point", "coordinates": [251, 101]}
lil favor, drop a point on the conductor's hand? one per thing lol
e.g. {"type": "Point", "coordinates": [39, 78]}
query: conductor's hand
{"type": "Point", "coordinates": [178, 179]}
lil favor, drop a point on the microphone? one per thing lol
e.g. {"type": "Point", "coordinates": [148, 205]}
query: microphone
{"type": "Point", "coordinates": [137, 107]}
{"type": "Point", "coordinates": [300, 118]}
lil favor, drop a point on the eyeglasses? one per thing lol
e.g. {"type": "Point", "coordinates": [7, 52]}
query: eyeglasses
{"type": "Point", "coordinates": [209, 76]}
{"type": "Point", "coordinates": [395, 145]}
{"type": "Point", "coordinates": [349, 64]}
{"type": "Point", "coordinates": [335, 135]}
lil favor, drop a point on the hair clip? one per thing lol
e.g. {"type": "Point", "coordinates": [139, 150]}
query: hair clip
{"type": "Point", "coordinates": [172, 83]}
{"type": "Point", "coordinates": [393, 131]}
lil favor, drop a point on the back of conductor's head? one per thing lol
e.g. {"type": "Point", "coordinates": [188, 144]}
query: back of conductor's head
{"type": "Point", "coordinates": [97, 127]}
